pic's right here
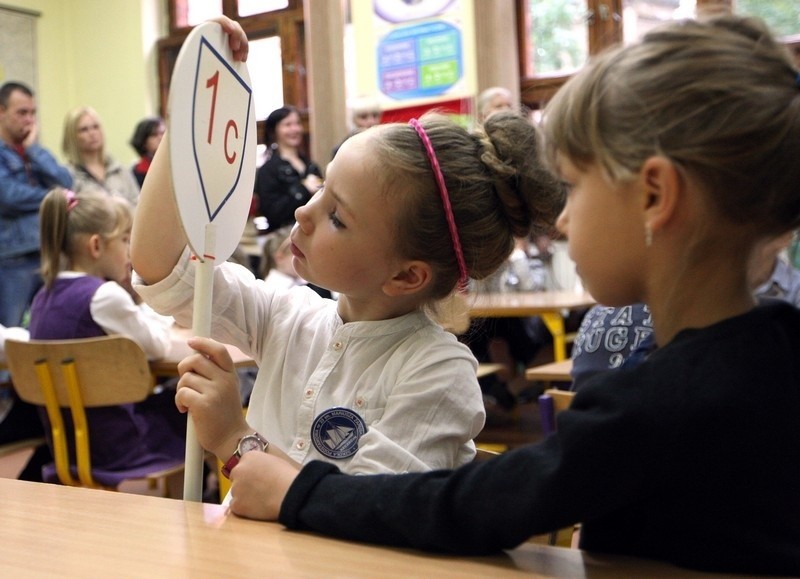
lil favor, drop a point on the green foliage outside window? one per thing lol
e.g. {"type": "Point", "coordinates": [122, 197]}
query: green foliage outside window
{"type": "Point", "coordinates": [557, 27]}
{"type": "Point", "coordinates": [559, 36]}
{"type": "Point", "coordinates": [782, 16]}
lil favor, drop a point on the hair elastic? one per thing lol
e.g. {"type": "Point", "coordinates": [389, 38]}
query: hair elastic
{"type": "Point", "coordinates": [72, 199]}
{"type": "Point", "coordinates": [448, 209]}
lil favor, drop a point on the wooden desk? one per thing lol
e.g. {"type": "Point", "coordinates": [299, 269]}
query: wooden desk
{"type": "Point", "coordinates": [48, 530]}
{"type": "Point", "coordinates": [487, 369]}
{"type": "Point", "coordinates": [179, 349]}
{"type": "Point", "coordinates": [549, 305]}
{"type": "Point", "coordinates": [560, 371]}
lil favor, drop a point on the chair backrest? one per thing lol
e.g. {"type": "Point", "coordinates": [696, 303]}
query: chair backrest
{"type": "Point", "coordinates": [78, 374]}
{"type": "Point", "coordinates": [110, 369]}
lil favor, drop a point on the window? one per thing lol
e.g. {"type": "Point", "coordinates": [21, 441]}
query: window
{"type": "Point", "coordinates": [557, 36]}
{"type": "Point", "coordinates": [782, 16]}
{"type": "Point", "coordinates": [253, 7]}
{"type": "Point", "coordinates": [277, 51]}
{"type": "Point", "coordinates": [188, 13]}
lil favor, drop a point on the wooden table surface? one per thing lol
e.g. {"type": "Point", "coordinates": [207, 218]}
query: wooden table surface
{"type": "Point", "coordinates": [552, 372]}
{"type": "Point", "coordinates": [168, 366]}
{"type": "Point", "coordinates": [522, 304]}
{"type": "Point", "coordinates": [550, 306]}
{"type": "Point", "coordinates": [49, 530]}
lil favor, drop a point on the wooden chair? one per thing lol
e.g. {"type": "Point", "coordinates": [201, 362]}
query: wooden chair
{"type": "Point", "coordinates": [79, 374]}
{"type": "Point", "coordinates": [551, 402]}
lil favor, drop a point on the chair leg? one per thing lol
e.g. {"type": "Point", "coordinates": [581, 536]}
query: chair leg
{"type": "Point", "coordinates": [173, 486]}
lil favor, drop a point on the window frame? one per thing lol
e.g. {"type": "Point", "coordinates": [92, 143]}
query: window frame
{"type": "Point", "coordinates": [287, 23]}
{"type": "Point", "coordinates": [536, 90]}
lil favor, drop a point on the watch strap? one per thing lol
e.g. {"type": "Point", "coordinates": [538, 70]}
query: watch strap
{"type": "Point", "coordinates": [230, 463]}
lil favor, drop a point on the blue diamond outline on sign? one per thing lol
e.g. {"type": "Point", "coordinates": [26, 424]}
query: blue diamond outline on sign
{"type": "Point", "coordinates": [213, 207]}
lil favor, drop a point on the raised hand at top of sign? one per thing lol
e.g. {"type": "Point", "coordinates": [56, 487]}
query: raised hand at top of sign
{"type": "Point", "coordinates": [237, 39]}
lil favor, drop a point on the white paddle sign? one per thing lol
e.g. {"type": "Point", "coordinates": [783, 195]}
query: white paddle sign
{"type": "Point", "coordinates": [213, 149]}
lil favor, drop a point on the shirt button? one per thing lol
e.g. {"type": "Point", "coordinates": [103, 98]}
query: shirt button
{"type": "Point", "coordinates": [309, 392]}
{"type": "Point", "coordinates": [301, 444]}
{"type": "Point", "coordinates": [337, 346]}
{"type": "Point", "coordinates": [359, 402]}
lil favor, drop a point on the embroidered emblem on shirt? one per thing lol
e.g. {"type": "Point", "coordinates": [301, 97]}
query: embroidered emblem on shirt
{"type": "Point", "coordinates": [336, 431]}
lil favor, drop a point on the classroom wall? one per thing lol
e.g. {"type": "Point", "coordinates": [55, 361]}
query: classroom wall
{"type": "Point", "coordinates": [99, 53]}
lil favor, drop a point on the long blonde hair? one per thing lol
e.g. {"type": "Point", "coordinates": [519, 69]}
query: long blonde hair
{"type": "Point", "coordinates": [719, 98]}
{"type": "Point", "coordinates": [69, 144]}
{"type": "Point", "coordinates": [64, 216]}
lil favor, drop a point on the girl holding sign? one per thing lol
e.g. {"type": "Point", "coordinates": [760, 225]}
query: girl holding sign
{"type": "Point", "coordinates": [371, 382]}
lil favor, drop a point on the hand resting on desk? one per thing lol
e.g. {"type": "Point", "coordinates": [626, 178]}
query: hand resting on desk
{"type": "Point", "coordinates": [259, 484]}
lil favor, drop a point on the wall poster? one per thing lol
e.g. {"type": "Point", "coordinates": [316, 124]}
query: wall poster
{"type": "Point", "coordinates": [18, 46]}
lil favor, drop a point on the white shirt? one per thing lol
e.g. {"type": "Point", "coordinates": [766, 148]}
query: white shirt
{"type": "Point", "coordinates": [784, 283]}
{"type": "Point", "coordinates": [14, 333]}
{"type": "Point", "coordinates": [414, 384]}
{"type": "Point", "coordinates": [114, 310]}
{"type": "Point", "coordinates": [278, 280]}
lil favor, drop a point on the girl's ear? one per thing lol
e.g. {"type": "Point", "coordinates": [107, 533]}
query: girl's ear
{"type": "Point", "coordinates": [412, 278]}
{"type": "Point", "coordinates": [662, 190]}
{"type": "Point", "coordinates": [95, 245]}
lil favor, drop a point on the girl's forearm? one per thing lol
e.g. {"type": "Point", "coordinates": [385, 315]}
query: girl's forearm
{"type": "Point", "coordinates": [157, 239]}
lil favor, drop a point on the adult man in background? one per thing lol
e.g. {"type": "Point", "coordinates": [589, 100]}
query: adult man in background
{"type": "Point", "coordinates": [27, 172]}
{"type": "Point", "coordinates": [365, 112]}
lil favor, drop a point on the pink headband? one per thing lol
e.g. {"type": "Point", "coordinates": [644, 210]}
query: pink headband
{"type": "Point", "coordinates": [448, 209]}
{"type": "Point", "coordinates": [72, 200]}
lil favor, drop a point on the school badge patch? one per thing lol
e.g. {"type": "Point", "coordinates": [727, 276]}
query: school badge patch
{"type": "Point", "coordinates": [336, 431]}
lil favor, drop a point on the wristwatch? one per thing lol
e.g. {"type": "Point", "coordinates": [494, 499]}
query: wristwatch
{"type": "Point", "coordinates": [246, 443]}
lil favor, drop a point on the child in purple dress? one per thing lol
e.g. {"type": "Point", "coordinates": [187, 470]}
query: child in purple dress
{"type": "Point", "coordinates": [85, 265]}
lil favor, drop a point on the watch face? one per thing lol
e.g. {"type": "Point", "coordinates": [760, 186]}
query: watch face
{"type": "Point", "coordinates": [249, 443]}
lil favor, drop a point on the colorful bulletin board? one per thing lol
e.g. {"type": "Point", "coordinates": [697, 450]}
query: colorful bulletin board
{"type": "Point", "coordinates": [416, 55]}
{"type": "Point", "coordinates": [421, 60]}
